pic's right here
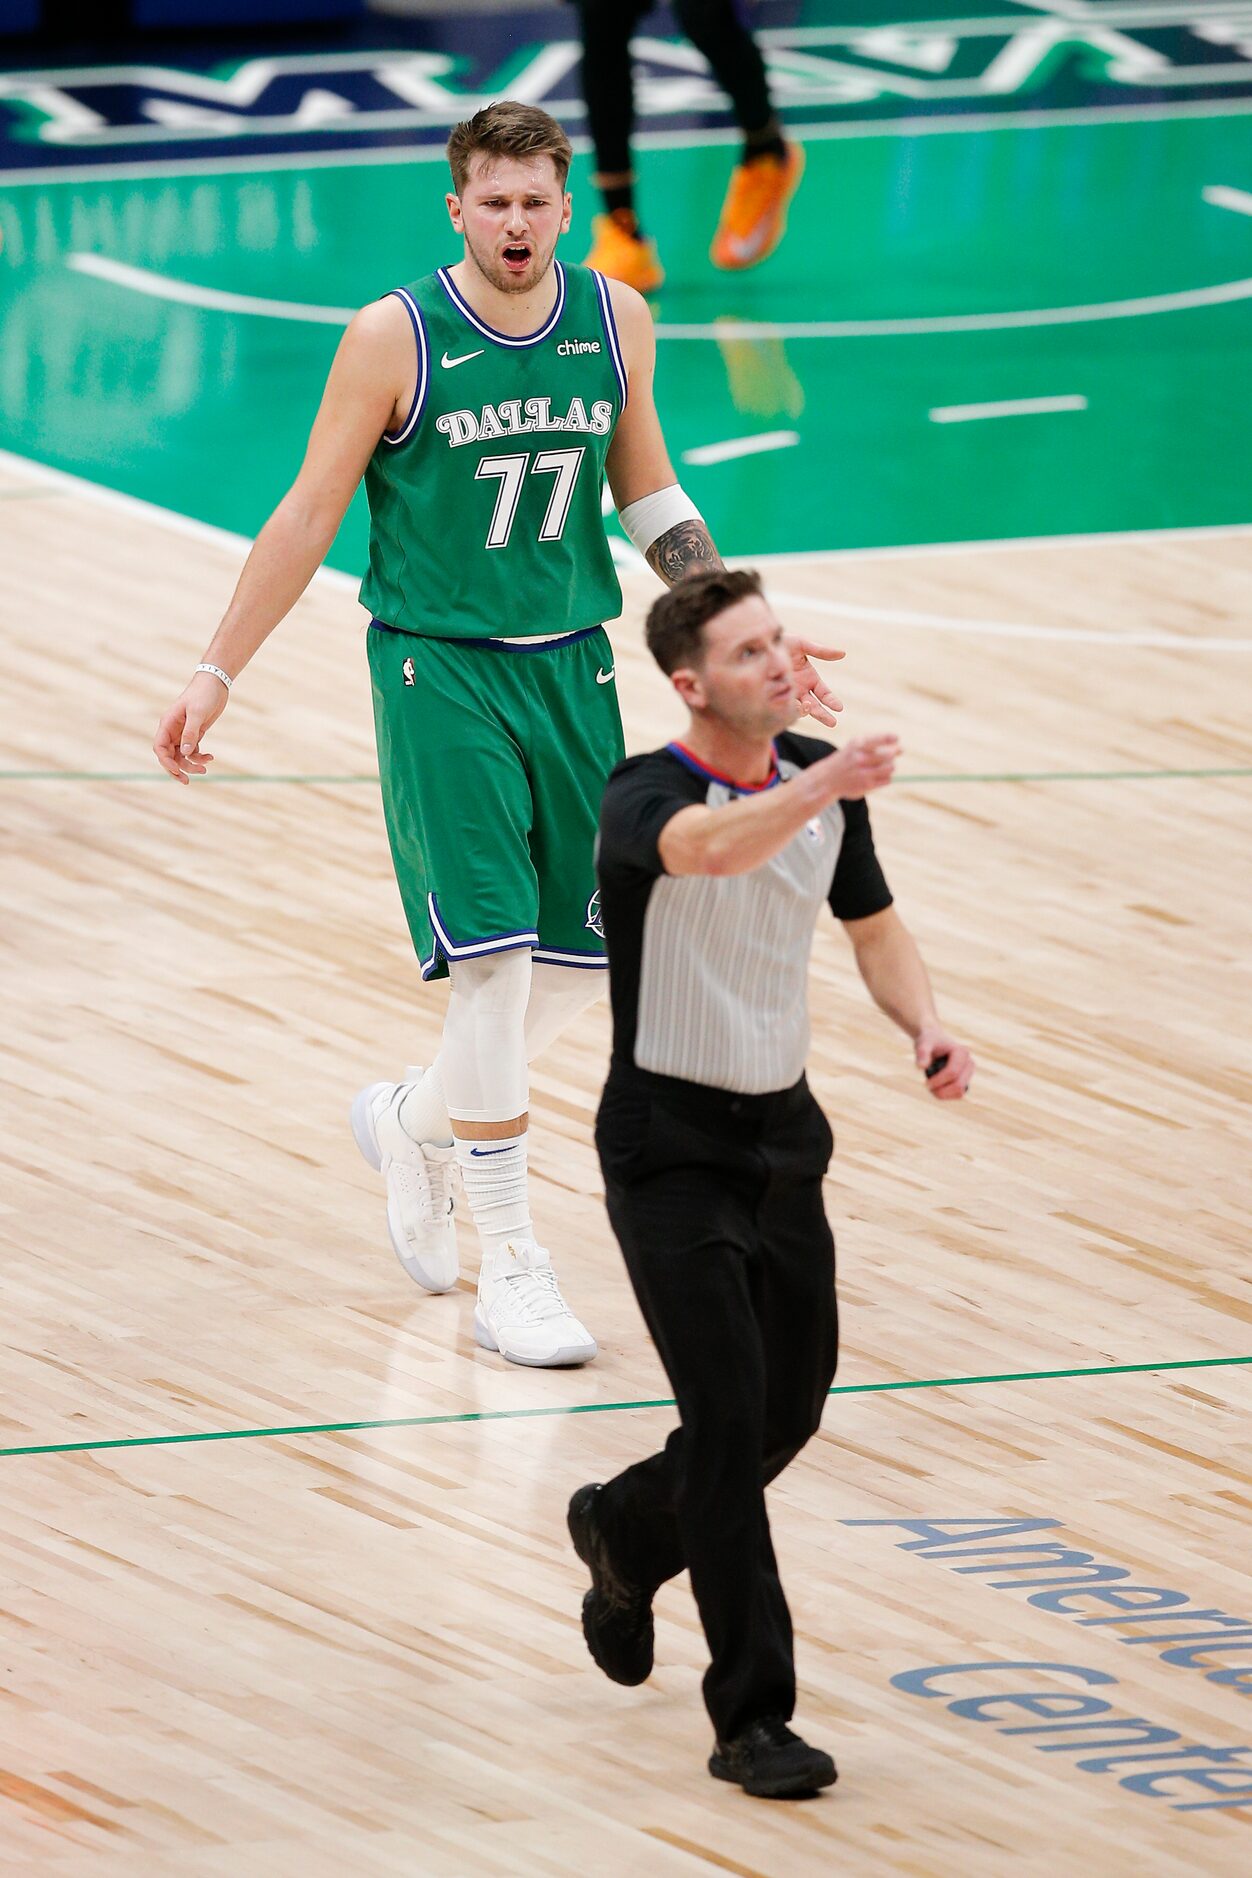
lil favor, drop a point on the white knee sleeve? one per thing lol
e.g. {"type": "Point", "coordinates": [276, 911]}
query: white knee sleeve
{"type": "Point", "coordinates": [483, 1056]}
{"type": "Point", "coordinates": [558, 994]}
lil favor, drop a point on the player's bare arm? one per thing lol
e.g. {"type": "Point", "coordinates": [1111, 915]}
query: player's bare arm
{"type": "Point", "coordinates": [744, 834]}
{"type": "Point", "coordinates": [367, 392]}
{"type": "Point", "coordinates": [639, 467]}
{"type": "Point", "coordinates": [896, 978]}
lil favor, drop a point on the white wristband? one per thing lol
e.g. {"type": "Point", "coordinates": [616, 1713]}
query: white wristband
{"type": "Point", "coordinates": [648, 519]}
{"type": "Point", "coordinates": [215, 671]}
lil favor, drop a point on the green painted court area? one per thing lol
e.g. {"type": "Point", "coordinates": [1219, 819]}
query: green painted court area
{"type": "Point", "coordinates": [1076, 261]}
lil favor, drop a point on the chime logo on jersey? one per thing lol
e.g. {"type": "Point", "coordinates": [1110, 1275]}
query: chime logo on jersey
{"type": "Point", "coordinates": [410, 676]}
{"type": "Point", "coordinates": [514, 417]}
{"type": "Point", "coordinates": [594, 922]}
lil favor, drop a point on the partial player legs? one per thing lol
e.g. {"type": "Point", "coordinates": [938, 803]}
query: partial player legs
{"type": "Point", "coordinates": [754, 214]}
{"type": "Point", "coordinates": [719, 29]}
{"type": "Point", "coordinates": [753, 218]}
{"type": "Point", "coordinates": [501, 1014]}
{"type": "Point", "coordinates": [558, 995]}
{"type": "Point", "coordinates": [520, 1310]}
{"type": "Point", "coordinates": [620, 249]}
{"type": "Point", "coordinates": [493, 763]}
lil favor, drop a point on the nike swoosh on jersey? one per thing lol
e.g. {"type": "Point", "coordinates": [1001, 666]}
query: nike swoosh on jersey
{"type": "Point", "coordinates": [606, 678]}
{"type": "Point", "coordinates": [448, 363]}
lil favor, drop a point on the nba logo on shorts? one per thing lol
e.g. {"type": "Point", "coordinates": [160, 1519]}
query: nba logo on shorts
{"type": "Point", "coordinates": [410, 676]}
{"type": "Point", "coordinates": [593, 922]}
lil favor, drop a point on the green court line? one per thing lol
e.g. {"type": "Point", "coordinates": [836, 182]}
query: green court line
{"type": "Point", "coordinates": [606, 1408]}
{"type": "Point", "coordinates": [159, 775]}
{"type": "Point", "coordinates": [1006, 776]}
{"type": "Point", "coordinates": [1076, 775]}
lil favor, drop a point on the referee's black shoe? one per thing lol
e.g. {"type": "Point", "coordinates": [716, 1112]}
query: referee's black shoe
{"type": "Point", "coordinates": [617, 1613]}
{"type": "Point", "coordinates": [768, 1760]}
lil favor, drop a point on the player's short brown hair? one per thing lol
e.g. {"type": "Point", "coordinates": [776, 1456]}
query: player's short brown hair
{"type": "Point", "coordinates": [507, 129]}
{"type": "Point", "coordinates": [675, 624]}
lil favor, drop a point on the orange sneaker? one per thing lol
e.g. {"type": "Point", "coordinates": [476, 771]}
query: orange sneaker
{"type": "Point", "coordinates": [624, 256]}
{"type": "Point", "coordinates": [754, 214]}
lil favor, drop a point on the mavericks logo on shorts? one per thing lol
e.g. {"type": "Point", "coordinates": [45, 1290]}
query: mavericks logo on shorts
{"type": "Point", "coordinates": [593, 922]}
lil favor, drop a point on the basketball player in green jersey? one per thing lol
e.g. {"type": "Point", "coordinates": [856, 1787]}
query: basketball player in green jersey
{"type": "Point", "coordinates": [484, 405]}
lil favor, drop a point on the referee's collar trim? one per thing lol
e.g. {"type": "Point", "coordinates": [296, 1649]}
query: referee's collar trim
{"type": "Point", "coordinates": [693, 763]}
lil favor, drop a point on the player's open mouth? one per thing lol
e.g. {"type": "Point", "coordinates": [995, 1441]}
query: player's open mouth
{"type": "Point", "coordinates": [517, 256]}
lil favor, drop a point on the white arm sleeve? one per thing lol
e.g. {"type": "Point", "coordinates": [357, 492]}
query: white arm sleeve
{"type": "Point", "coordinates": [648, 519]}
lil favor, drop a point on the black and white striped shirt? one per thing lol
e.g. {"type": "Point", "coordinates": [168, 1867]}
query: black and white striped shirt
{"type": "Point", "coordinates": [709, 975]}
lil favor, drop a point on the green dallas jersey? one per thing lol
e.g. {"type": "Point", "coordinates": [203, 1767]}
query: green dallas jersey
{"type": "Point", "coordinates": [485, 517]}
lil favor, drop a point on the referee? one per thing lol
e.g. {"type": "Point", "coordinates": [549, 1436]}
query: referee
{"type": "Point", "coordinates": [716, 854]}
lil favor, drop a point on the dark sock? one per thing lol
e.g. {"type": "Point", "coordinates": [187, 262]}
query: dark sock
{"type": "Point", "coordinates": [619, 202]}
{"type": "Point", "coordinates": [768, 141]}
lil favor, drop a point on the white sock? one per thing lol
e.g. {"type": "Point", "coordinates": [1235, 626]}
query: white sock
{"type": "Point", "coordinates": [493, 1174]}
{"type": "Point", "coordinates": [424, 1111]}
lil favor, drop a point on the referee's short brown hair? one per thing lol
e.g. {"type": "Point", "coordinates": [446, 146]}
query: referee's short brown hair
{"type": "Point", "coordinates": [507, 129]}
{"type": "Point", "coordinates": [675, 624]}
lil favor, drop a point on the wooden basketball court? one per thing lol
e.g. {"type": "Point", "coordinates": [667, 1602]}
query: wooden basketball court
{"type": "Point", "coordinates": [287, 1587]}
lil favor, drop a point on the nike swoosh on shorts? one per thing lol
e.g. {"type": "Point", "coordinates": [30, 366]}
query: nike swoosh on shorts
{"type": "Point", "coordinates": [606, 678]}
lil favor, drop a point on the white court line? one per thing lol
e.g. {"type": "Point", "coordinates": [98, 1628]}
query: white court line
{"type": "Point", "coordinates": [821, 557]}
{"type": "Point", "coordinates": [741, 446]}
{"type": "Point", "coordinates": [1183, 301]}
{"type": "Point", "coordinates": [1222, 198]}
{"type": "Point", "coordinates": [1007, 629]}
{"type": "Point", "coordinates": [1007, 407]}
{"type": "Point", "coordinates": [63, 482]}
{"type": "Point", "coordinates": [214, 299]}
{"type": "Point", "coordinates": [186, 293]}
{"type": "Point", "coordinates": [405, 155]}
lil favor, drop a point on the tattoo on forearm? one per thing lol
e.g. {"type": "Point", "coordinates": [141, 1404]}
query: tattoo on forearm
{"type": "Point", "coordinates": [687, 548]}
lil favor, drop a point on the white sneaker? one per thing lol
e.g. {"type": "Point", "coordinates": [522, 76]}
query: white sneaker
{"type": "Point", "coordinates": [521, 1313]}
{"type": "Point", "coordinates": [419, 1179]}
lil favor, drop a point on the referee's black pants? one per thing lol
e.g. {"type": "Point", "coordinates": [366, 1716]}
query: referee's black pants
{"type": "Point", "coordinates": [716, 1201]}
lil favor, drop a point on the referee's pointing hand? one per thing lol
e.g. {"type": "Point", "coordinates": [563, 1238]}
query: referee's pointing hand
{"type": "Point", "coordinates": [865, 764]}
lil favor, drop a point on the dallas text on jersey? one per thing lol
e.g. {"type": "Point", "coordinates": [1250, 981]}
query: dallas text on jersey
{"type": "Point", "coordinates": [515, 416]}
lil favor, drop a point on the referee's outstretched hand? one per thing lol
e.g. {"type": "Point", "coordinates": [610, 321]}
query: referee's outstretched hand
{"type": "Point", "coordinates": [813, 695]}
{"type": "Point", "coordinates": [865, 764]}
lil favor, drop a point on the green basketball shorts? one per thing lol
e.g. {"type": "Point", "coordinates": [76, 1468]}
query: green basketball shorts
{"type": "Point", "coordinates": [493, 759]}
